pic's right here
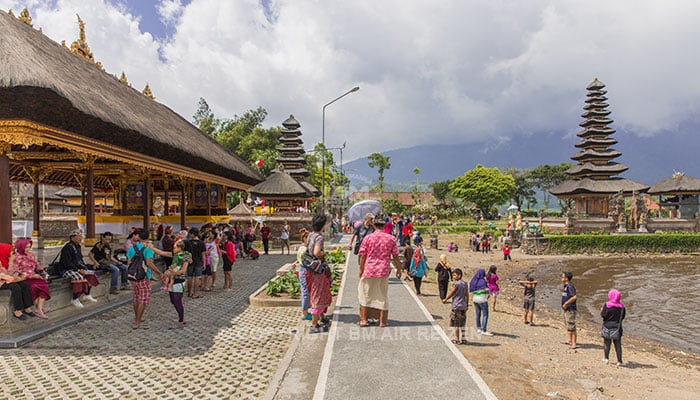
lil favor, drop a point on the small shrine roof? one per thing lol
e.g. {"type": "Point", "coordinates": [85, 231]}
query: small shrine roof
{"type": "Point", "coordinates": [597, 186]}
{"type": "Point", "coordinates": [677, 184]}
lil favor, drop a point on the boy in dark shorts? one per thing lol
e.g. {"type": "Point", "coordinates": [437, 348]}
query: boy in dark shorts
{"type": "Point", "coordinates": [529, 298]}
{"type": "Point", "coordinates": [458, 317]}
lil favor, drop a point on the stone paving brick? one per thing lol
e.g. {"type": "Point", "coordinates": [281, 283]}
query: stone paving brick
{"type": "Point", "coordinates": [227, 350]}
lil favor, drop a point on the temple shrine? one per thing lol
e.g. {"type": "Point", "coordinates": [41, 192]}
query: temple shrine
{"type": "Point", "coordinates": [64, 121]}
{"type": "Point", "coordinates": [594, 179]}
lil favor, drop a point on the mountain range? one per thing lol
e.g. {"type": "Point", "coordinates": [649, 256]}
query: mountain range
{"type": "Point", "coordinates": [650, 159]}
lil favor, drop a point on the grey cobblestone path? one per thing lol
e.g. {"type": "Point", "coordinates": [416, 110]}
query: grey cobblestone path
{"type": "Point", "coordinates": [227, 350]}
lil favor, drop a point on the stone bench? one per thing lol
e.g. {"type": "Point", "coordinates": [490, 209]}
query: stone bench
{"type": "Point", "coordinates": [59, 305]}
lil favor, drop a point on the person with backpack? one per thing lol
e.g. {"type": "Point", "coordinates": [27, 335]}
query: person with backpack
{"type": "Point", "coordinates": [361, 231]}
{"type": "Point", "coordinates": [139, 270]}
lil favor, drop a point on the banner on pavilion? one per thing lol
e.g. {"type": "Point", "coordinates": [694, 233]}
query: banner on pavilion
{"type": "Point", "coordinates": [134, 195]}
{"type": "Point", "coordinates": [200, 194]}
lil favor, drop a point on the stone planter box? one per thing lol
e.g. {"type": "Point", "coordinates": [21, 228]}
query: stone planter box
{"type": "Point", "coordinates": [259, 298]}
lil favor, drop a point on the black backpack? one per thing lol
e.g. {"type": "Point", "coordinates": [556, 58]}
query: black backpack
{"type": "Point", "coordinates": [136, 271]}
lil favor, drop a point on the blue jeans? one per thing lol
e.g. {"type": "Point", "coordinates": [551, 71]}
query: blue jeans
{"type": "Point", "coordinates": [114, 271]}
{"type": "Point", "coordinates": [482, 315]}
{"type": "Point", "coordinates": [305, 300]}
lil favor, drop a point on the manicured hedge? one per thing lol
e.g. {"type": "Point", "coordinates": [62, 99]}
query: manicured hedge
{"type": "Point", "coordinates": [597, 243]}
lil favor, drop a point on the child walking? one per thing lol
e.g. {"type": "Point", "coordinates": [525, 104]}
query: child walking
{"type": "Point", "coordinates": [492, 280]}
{"type": "Point", "coordinates": [458, 316]}
{"type": "Point", "coordinates": [176, 288]}
{"type": "Point", "coordinates": [529, 298]}
{"type": "Point", "coordinates": [418, 267]}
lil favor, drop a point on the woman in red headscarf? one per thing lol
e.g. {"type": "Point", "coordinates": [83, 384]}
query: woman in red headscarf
{"type": "Point", "coordinates": [21, 295]}
{"type": "Point", "coordinates": [25, 263]}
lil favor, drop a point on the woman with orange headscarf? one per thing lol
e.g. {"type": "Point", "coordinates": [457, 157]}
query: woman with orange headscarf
{"type": "Point", "coordinates": [25, 263]}
{"type": "Point", "coordinates": [21, 294]}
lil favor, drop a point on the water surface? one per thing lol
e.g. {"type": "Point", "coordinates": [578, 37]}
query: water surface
{"type": "Point", "coordinates": [661, 294]}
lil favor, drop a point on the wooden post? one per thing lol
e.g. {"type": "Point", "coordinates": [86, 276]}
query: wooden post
{"type": "Point", "coordinates": [5, 196]}
{"type": "Point", "coordinates": [90, 206]}
{"type": "Point", "coordinates": [147, 203]}
{"type": "Point", "coordinates": [183, 203]}
{"type": "Point", "coordinates": [166, 187]}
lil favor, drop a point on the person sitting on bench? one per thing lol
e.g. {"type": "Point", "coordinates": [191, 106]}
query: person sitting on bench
{"type": "Point", "coordinates": [72, 266]}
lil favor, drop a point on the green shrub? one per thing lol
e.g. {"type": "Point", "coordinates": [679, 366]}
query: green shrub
{"type": "Point", "coordinates": [606, 243]}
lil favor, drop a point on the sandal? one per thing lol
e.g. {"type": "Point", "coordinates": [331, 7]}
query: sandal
{"type": "Point", "coordinates": [363, 325]}
{"type": "Point", "coordinates": [464, 341]}
{"type": "Point", "coordinates": [455, 341]}
{"type": "Point", "coordinates": [196, 297]}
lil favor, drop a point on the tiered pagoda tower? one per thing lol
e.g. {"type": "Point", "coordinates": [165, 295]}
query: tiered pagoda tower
{"type": "Point", "coordinates": [292, 150]}
{"type": "Point", "coordinates": [595, 158]}
{"type": "Point", "coordinates": [594, 179]}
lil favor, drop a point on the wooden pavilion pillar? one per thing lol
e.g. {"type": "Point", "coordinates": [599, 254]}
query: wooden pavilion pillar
{"type": "Point", "coordinates": [5, 196]}
{"type": "Point", "coordinates": [147, 203]}
{"type": "Point", "coordinates": [166, 186]}
{"type": "Point", "coordinates": [183, 203]}
{"type": "Point", "coordinates": [207, 186]}
{"type": "Point", "coordinates": [90, 206]}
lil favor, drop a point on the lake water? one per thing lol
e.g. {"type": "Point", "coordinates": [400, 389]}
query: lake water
{"type": "Point", "coordinates": [661, 294]}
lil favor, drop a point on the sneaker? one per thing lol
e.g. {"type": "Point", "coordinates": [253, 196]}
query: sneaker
{"type": "Point", "coordinates": [315, 329]}
{"type": "Point", "coordinates": [486, 333]}
{"type": "Point", "coordinates": [306, 317]}
{"type": "Point", "coordinates": [478, 330]}
{"type": "Point", "coordinates": [89, 298]}
{"type": "Point", "coordinates": [325, 321]}
{"type": "Point", "coordinates": [605, 360]}
{"type": "Point", "coordinates": [77, 303]}
{"type": "Point", "coordinates": [619, 364]}
{"type": "Point", "coordinates": [113, 291]}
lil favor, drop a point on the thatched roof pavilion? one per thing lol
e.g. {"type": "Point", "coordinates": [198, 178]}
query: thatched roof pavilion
{"type": "Point", "coordinates": [65, 121]}
{"type": "Point", "coordinates": [677, 184]}
{"type": "Point", "coordinates": [71, 103]}
{"type": "Point", "coordinates": [280, 185]}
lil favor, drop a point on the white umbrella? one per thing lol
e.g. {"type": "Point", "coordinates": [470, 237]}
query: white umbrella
{"type": "Point", "coordinates": [512, 207]}
{"type": "Point", "coordinates": [358, 210]}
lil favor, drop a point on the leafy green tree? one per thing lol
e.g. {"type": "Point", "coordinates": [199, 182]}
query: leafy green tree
{"type": "Point", "coordinates": [314, 164]}
{"type": "Point", "coordinates": [485, 187]}
{"type": "Point", "coordinates": [243, 135]}
{"type": "Point", "coordinates": [547, 176]}
{"type": "Point", "coordinates": [382, 163]}
{"type": "Point", "coordinates": [392, 206]}
{"type": "Point", "coordinates": [205, 120]}
{"type": "Point", "coordinates": [441, 190]}
{"type": "Point", "coordinates": [524, 187]}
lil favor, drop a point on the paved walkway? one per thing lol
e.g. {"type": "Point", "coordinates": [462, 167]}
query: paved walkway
{"type": "Point", "coordinates": [410, 359]}
{"type": "Point", "coordinates": [227, 350]}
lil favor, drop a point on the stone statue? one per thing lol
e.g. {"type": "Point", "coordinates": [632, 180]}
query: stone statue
{"type": "Point", "coordinates": [158, 207]}
{"type": "Point", "coordinates": [519, 221]}
{"type": "Point", "coordinates": [510, 219]}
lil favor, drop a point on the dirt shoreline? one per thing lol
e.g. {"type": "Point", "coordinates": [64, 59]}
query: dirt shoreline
{"type": "Point", "coordinates": [523, 361]}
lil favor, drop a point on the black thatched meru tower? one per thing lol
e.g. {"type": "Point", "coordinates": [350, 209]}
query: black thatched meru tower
{"type": "Point", "coordinates": [595, 158]}
{"type": "Point", "coordinates": [594, 178]}
{"type": "Point", "coordinates": [291, 157]}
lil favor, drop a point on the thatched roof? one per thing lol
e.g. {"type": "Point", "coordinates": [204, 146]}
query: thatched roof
{"type": "Point", "coordinates": [603, 186]}
{"type": "Point", "coordinates": [279, 184]}
{"type": "Point", "coordinates": [42, 82]}
{"type": "Point", "coordinates": [69, 192]}
{"type": "Point", "coordinates": [310, 188]}
{"type": "Point", "coordinates": [677, 184]}
{"type": "Point", "coordinates": [240, 209]}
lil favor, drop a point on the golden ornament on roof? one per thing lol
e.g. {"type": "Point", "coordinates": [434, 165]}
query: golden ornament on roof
{"type": "Point", "coordinates": [80, 46]}
{"type": "Point", "coordinates": [147, 92]}
{"type": "Point", "coordinates": [25, 17]}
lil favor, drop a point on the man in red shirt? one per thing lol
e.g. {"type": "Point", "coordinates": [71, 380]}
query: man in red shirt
{"type": "Point", "coordinates": [265, 235]}
{"type": "Point", "coordinates": [377, 252]}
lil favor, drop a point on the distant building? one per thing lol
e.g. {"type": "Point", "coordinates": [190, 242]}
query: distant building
{"type": "Point", "coordinates": [404, 198]}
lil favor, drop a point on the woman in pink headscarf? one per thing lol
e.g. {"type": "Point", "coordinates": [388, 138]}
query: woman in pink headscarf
{"type": "Point", "coordinates": [26, 264]}
{"type": "Point", "coordinates": [613, 312]}
{"type": "Point", "coordinates": [20, 293]}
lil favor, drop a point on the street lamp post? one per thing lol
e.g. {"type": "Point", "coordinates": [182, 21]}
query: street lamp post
{"type": "Point", "coordinates": [323, 143]}
{"type": "Point", "coordinates": [341, 158]}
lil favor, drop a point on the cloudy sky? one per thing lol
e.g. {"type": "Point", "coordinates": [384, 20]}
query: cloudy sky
{"type": "Point", "coordinates": [429, 71]}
